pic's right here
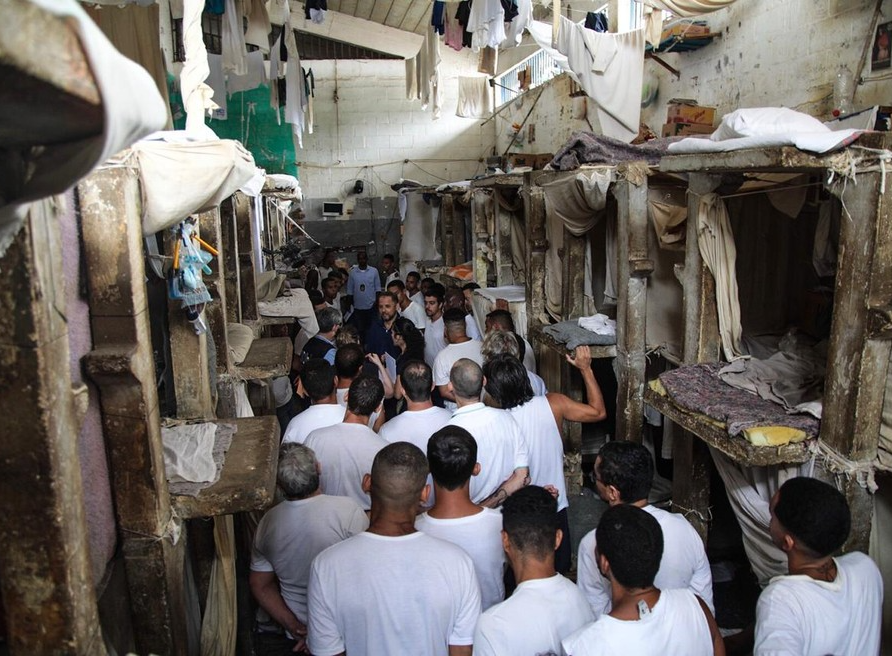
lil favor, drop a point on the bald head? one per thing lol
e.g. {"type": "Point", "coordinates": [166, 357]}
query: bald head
{"type": "Point", "coordinates": [466, 377]}
{"type": "Point", "coordinates": [399, 474]}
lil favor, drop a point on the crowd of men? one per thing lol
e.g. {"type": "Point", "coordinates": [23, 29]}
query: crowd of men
{"type": "Point", "coordinates": [424, 508]}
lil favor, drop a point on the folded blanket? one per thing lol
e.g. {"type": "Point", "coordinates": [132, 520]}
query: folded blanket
{"type": "Point", "coordinates": [571, 334]}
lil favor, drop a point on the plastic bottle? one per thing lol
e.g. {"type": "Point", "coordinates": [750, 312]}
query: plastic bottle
{"type": "Point", "coordinates": [843, 90]}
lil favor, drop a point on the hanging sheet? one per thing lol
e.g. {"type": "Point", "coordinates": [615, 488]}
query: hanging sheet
{"type": "Point", "coordinates": [716, 241]}
{"type": "Point", "coordinates": [232, 40]}
{"type": "Point", "coordinates": [578, 199]}
{"type": "Point", "coordinates": [610, 68]}
{"type": "Point", "coordinates": [474, 97]}
{"type": "Point", "coordinates": [419, 230]}
{"type": "Point", "coordinates": [54, 168]}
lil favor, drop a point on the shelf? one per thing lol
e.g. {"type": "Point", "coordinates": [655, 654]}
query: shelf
{"type": "Point", "coordinates": [539, 336]}
{"type": "Point", "coordinates": [248, 478]}
{"type": "Point", "coordinates": [268, 357]}
{"type": "Point", "coordinates": [715, 435]}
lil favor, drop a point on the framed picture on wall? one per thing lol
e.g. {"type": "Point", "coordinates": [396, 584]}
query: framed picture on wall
{"type": "Point", "coordinates": [882, 48]}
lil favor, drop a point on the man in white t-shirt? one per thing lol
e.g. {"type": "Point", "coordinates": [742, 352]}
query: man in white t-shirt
{"type": "Point", "coordinates": [644, 620]}
{"type": "Point", "coordinates": [393, 590]}
{"type": "Point", "coordinates": [434, 341]}
{"type": "Point", "coordinates": [287, 540]}
{"type": "Point", "coordinates": [413, 288]}
{"type": "Point", "coordinates": [501, 446]}
{"type": "Point", "coordinates": [346, 450]}
{"type": "Point", "coordinates": [498, 342]}
{"type": "Point", "coordinates": [545, 607]}
{"type": "Point", "coordinates": [319, 383]}
{"type": "Point", "coordinates": [825, 605]}
{"type": "Point", "coordinates": [541, 419]}
{"type": "Point", "coordinates": [458, 346]}
{"type": "Point", "coordinates": [421, 418]}
{"type": "Point", "coordinates": [623, 475]}
{"type": "Point", "coordinates": [412, 311]}
{"type": "Point", "coordinates": [452, 455]}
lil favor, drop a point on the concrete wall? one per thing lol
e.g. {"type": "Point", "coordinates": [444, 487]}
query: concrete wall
{"type": "Point", "coordinates": [366, 129]}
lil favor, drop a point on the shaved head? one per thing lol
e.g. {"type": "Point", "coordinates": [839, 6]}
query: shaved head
{"type": "Point", "coordinates": [399, 474]}
{"type": "Point", "coordinates": [466, 377]}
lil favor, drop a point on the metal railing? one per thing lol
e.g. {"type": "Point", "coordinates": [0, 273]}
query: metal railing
{"type": "Point", "coordinates": [542, 68]}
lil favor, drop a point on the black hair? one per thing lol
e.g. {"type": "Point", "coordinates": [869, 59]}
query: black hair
{"type": "Point", "coordinates": [388, 256]}
{"type": "Point", "coordinates": [365, 395]}
{"type": "Point", "coordinates": [399, 473]}
{"type": "Point", "coordinates": [451, 455]}
{"type": "Point", "coordinates": [632, 542]}
{"type": "Point", "coordinates": [316, 297]}
{"type": "Point", "coordinates": [436, 290]}
{"type": "Point", "coordinates": [529, 517]}
{"type": "Point", "coordinates": [414, 274]}
{"type": "Point", "coordinates": [431, 281]}
{"type": "Point", "coordinates": [318, 378]}
{"type": "Point", "coordinates": [628, 467]}
{"type": "Point", "coordinates": [507, 381]}
{"type": "Point", "coordinates": [454, 320]}
{"type": "Point", "coordinates": [389, 295]}
{"type": "Point", "coordinates": [470, 285]}
{"type": "Point", "coordinates": [466, 377]}
{"type": "Point", "coordinates": [396, 282]}
{"type": "Point", "coordinates": [815, 513]}
{"type": "Point", "coordinates": [501, 318]}
{"type": "Point", "coordinates": [348, 361]}
{"type": "Point", "coordinates": [412, 336]}
{"type": "Point", "coordinates": [417, 378]}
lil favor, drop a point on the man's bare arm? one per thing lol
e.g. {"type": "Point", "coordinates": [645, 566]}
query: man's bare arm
{"type": "Point", "coordinates": [718, 644]}
{"type": "Point", "coordinates": [445, 392]}
{"type": "Point", "coordinates": [563, 407]}
{"type": "Point", "coordinates": [517, 480]}
{"type": "Point", "coordinates": [460, 650]}
{"type": "Point", "coordinates": [265, 588]}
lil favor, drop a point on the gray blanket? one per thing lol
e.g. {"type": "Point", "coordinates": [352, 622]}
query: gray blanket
{"type": "Point", "coordinates": [569, 333]}
{"type": "Point", "coordinates": [588, 148]}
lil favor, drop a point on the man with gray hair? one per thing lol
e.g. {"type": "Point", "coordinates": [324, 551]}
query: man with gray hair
{"type": "Point", "coordinates": [287, 540]}
{"type": "Point", "coordinates": [502, 450]}
{"type": "Point", "coordinates": [322, 344]}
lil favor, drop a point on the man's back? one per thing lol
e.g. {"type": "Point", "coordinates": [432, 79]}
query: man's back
{"type": "Point", "coordinates": [293, 533]}
{"type": "Point", "coordinates": [451, 354]}
{"type": "Point", "coordinates": [345, 453]}
{"type": "Point", "coordinates": [800, 615]}
{"type": "Point", "coordinates": [314, 417]}
{"type": "Point", "coordinates": [415, 426]}
{"type": "Point", "coordinates": [683, 565]}
{"type": "Point", "coordinates": [533, 620]}
{"type": "Point", "coordinates": [501, 447]}
{"type": "Point", "coordinates": [675, 626]}
{"type": "Point", "coordinates": [536, 421]}
{"type": "Point", "coordinates": [418, 596]}
{"type": "Point", "coordinates": [480, 536]}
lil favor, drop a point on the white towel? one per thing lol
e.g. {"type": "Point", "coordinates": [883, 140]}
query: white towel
{"type": "Point", "coordinates": [474, 98]}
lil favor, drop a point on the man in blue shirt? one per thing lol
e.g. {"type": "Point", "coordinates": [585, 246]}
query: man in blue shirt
{"type": "Point", "coordinates": [362, 290]}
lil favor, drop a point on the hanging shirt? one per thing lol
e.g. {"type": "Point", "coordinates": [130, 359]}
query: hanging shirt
{"type": "Point", "coordinates": [438, 17]}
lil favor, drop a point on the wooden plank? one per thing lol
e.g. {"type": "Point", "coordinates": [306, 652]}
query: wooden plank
{"type": "Point", "coordinates": [534, 210]}
{"type": "Point", "coordinates": [504, 256]}
{"type": "Point", "coordinates": [215, 312]}
{"type": "Point", "coordinates": [573, 262]}
{"type": "Point", "coordinates": [123, 366]}
{"type": "Point", "coordinates": [691, 487]}
{"type": "Point", "coordinates": [268, 357]}
{"type": "Point", "coordinates": [502, 180]}
{"type": "Point", "coordinates": [45, 572]}
{"type": "Point", "coordinates": [248, 479]}
{"type": "Point", "coordinates": [716, 435]}
{"type": "Point", "coordinates": [230, 264]}
{"type": "Point", "coordinates": [633, 269]}
{"type": "Point", "coordinates": [447, 238]}
{"type": "Point", "coordinates": [460, 217]}
{"type": "Point", "coordinates": [482, 215]}
{"type": "Point", "coordinates": [244, 217]}
{"type": "Point", "coordinates": [854, 385]}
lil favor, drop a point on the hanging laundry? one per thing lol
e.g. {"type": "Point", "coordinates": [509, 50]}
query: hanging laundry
{"type": "Point", "coordinates": [474, 97]}
{"type": "Point", "coordinates": [487, 24]}
{"type": "Point", "coordinates": [310, 87]}
{"type": "Point", "coordinates": [514, 31]}
{"type": "Point", "coordinates": [454, 30]}
{"type": "Point", "coordinates": [597, 21]}
{"type": "Point", "coordinates": [463, 15]}
{"type": "Point", "coordinates": [438, 20]}
{"type": "Point", "coordinates": [610, 69]}
{"type": "Point", "coordinates": [314, 10]}
{"type": "Point", "coordinates": [428, 73]}
{"type": "Point", "coordinates": [411, 79]}
{"type": "Point", "coordinates": [217, 7]}
{"type": "Point", "coordinates": [510, 9]}
{"type": "Point", "coordinates": [255, 76]}
{"type": "Point", "coordinates": [259, 25]}
{"type": "Point", "coordinates": [489, 61]}
{"type": "Point", "coordinates": [275, 70]}
{"type": "Point", "coordinates": [295, 89]}
{"type": "Point", "coordinates": [217, 82]}
{"type": "Point", "coordinates": [233, 40]}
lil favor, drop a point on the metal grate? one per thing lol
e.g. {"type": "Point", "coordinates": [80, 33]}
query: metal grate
{"type": "Point", "coordinates": [212, 34]}
{"type": "Point", "coordinates": [541, 67]}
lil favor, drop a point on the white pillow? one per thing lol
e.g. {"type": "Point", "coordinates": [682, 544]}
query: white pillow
{"type": "Point", "coordinates": [761, 121]}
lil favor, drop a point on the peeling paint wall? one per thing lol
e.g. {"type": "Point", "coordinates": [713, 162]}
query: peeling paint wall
{"type": "Point", "coordinates": [372, 124]}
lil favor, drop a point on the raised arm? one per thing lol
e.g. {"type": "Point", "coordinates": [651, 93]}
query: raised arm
{"type": "Point", "coordinates": [517, 480]}
{"type": "Point", "coordinates": [563, 407]}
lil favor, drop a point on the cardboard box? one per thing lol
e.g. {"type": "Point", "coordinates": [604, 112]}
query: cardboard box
{"type": "Point", "coordinates": [681, 129]}
{"type": "Point", "coordinates": [688, 113]}
{"type": "Point", "coordinates": [685, 29]}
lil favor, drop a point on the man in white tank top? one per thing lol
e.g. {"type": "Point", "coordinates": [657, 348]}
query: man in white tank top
{"type": "Point", "coordinates": [540, 419]}
{"type": "Point", "coordinates": [644, 620]}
